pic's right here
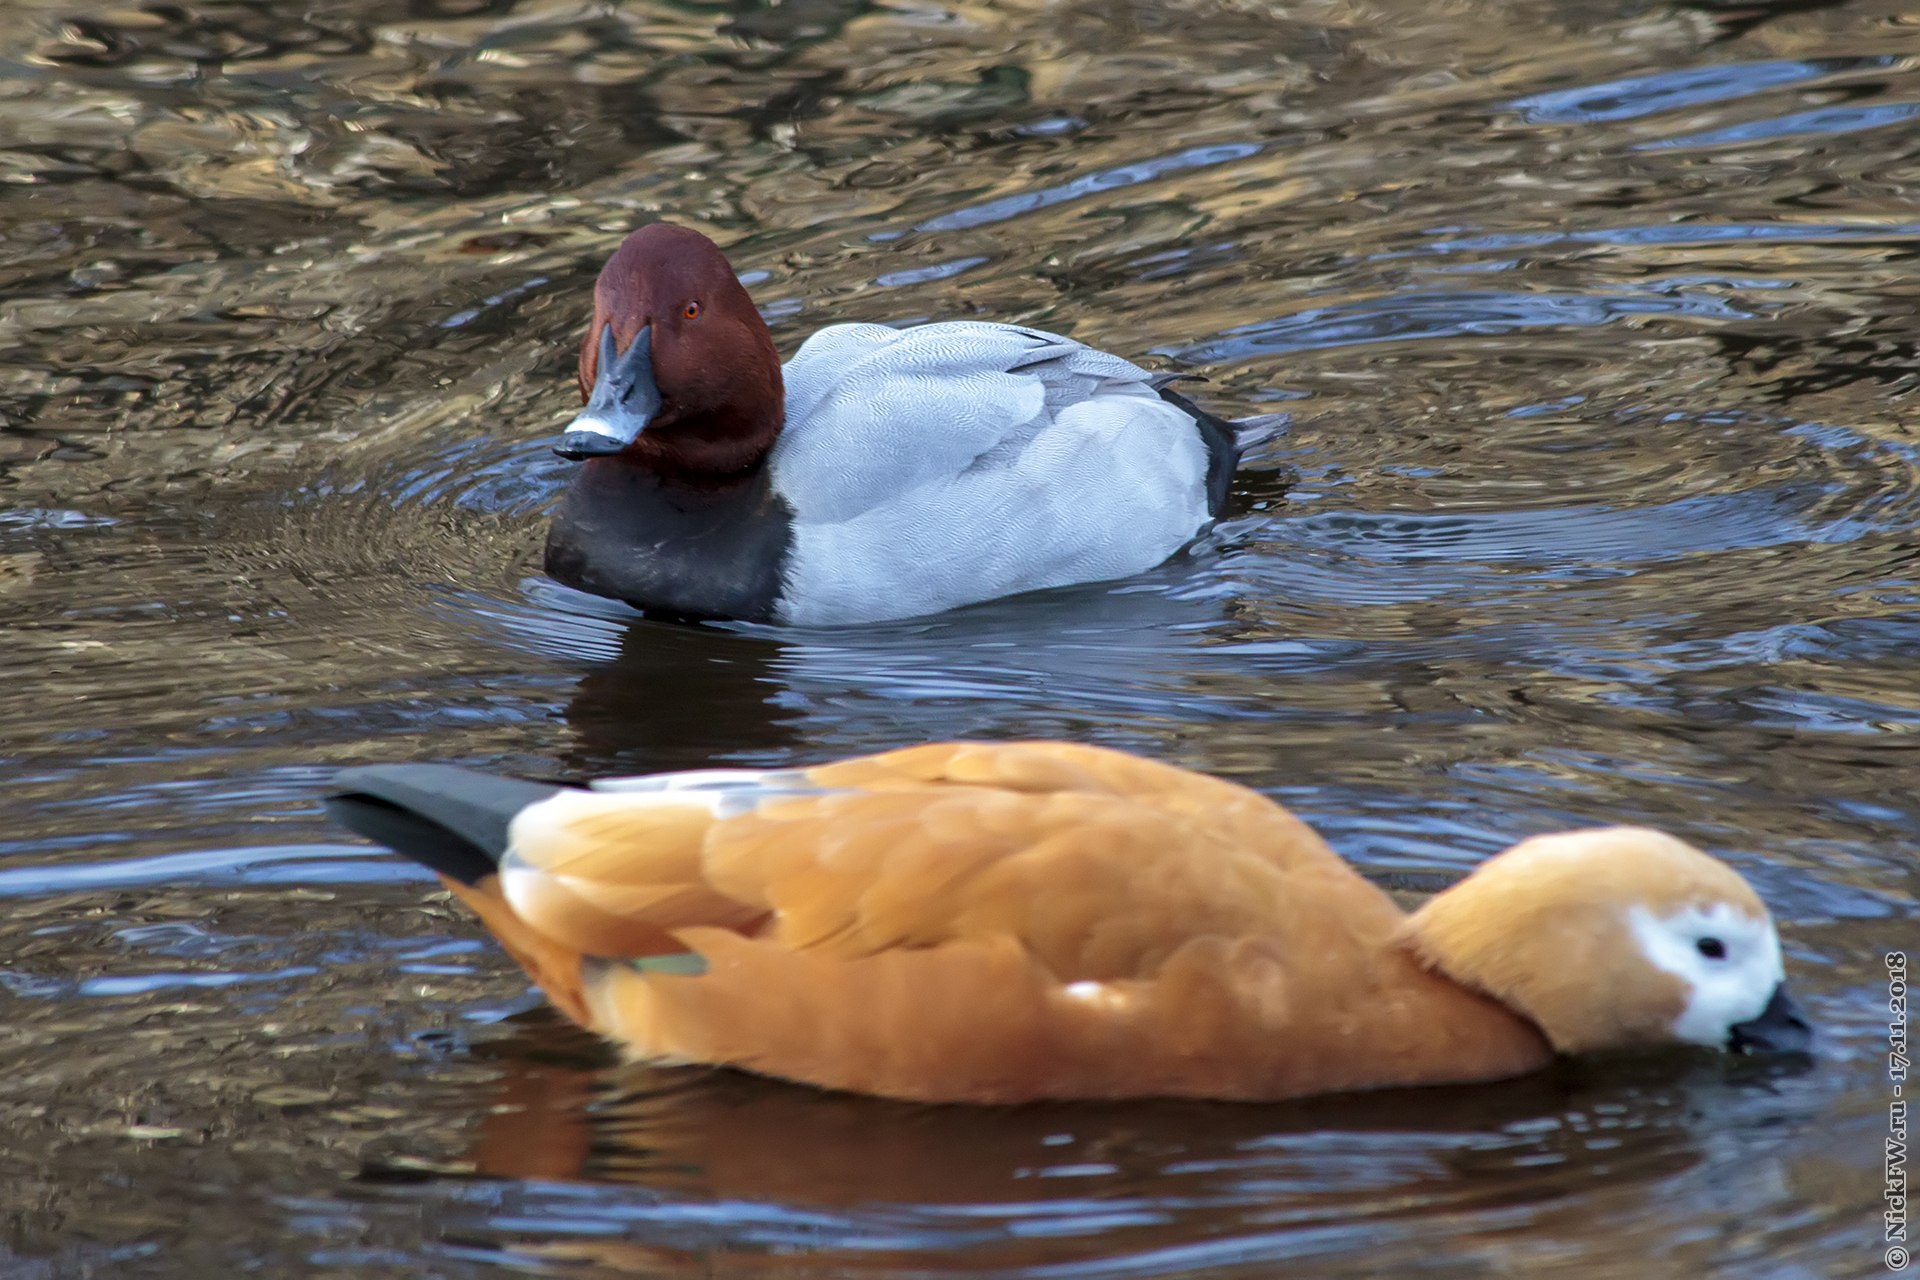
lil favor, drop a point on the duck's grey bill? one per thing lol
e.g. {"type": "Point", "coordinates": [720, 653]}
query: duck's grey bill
{"type": "Point", "coordinates": [624, 400]}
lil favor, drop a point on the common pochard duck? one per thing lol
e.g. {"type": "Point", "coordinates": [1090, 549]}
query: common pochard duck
{"type": "Point", "coordinates": [998, 923]}
{"type": "Point", "coordinates": [883, 473]}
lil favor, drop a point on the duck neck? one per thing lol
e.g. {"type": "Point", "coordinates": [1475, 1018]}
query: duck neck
{"type": "Point", "coordinates": [1443, 1021]}
{"type": "Point", "coordinates": [1372, 1017]}
{"type": "Point", "coordinates": [719, 448]}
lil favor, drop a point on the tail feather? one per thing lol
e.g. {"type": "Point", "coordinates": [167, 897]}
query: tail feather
{"type": "Point", "coordinates": [456, 822]}
{"type": "Point", "coordinates": [1223, 450]}
{"type": "Point", "coordinates": [1250, 433]}
{"type": "Point", "coordinates": [449, 819]}
{"type": "Point", "coordinates": [1228, 442]}
{"type": "Point", "coordinates": [554, 966]}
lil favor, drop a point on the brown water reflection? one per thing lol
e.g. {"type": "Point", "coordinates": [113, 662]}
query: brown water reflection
{"type": "Point", "coordinates": [1164, 1186]}
{"type": "Point", "coordinates": [1595, 329]}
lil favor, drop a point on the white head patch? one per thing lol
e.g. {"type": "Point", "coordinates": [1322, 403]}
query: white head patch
{"type": "Point", "coordinates": [1728, 960]}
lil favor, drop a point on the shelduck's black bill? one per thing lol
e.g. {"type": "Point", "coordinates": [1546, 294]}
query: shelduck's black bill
{"type": "Point", "coordinates": [623, 401]}
{"type": "Point", "coordinates": [1780, 1028]}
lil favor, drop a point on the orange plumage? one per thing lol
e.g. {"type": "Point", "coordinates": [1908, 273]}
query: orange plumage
{"type": "Point", "coordinates": [982, 923]}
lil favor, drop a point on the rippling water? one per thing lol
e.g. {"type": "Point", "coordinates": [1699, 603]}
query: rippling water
{"type": "Point", "coordinates": [1599, 500]}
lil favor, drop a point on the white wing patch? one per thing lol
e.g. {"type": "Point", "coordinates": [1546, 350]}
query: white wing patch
{"type": "Point", "coordinates": [949, 463]}
{"type": "Point", "coordinates": [722, 793]}
{"type": "Point", "coordinates": [762, 780]}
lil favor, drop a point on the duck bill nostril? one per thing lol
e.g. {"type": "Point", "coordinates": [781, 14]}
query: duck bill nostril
{"type": "Point", "coordinates": [624, 399]}
{"type": "Point", "coordinates": [1780, 1028]}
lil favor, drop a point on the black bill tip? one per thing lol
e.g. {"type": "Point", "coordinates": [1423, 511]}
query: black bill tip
{"type": "Point", "coordinates": [578, 446]}
{"type": "Point", "coordinates": [1780, 1028]}
{"type": "Point", "coordinates": [624, 399]}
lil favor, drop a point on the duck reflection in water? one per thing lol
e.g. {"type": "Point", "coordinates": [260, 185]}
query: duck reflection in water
{"type": "Point", "coordinates": [1052, 1184]}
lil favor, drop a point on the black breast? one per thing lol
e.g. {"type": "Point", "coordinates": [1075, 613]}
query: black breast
{"type": "Point", "coordinates": [687, 550]}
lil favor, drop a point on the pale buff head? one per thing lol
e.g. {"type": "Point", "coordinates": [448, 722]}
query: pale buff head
{"type": "Point", "coordinates": [1614, 937]}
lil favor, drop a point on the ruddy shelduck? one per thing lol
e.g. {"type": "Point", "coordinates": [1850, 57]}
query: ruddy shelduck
{"type": "Point", "coordinates": [996, 923]}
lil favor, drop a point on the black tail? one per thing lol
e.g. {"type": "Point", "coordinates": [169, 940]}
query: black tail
{"type": "Point", "coordinates": [1224, 442]}
{"type": "Point", "coordinates": [449, 819]}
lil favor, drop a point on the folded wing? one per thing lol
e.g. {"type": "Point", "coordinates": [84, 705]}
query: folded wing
{"type": "Point", "coordinates": [874, 413]}
{"type": "Point", "coordinates": [1095, 863]}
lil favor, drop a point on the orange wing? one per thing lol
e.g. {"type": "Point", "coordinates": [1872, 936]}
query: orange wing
{"type": "Point", "coordinates": [1096, 863]}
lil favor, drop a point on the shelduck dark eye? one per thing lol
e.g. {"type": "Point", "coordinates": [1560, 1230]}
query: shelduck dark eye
{"type": "Point", "coordinates": [1711, 948]}
{"type": "Point", "coordinates": [691, 311]}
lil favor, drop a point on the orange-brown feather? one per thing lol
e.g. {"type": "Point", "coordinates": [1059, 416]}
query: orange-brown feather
{"type": "Point", "coordinates": [616, 877]}
{"type": "Point", "coordinates": [1033, 767]}
{"type": "Point", "coordinates": [553, 965]}
{"type": "Point", "coordinates": [994, 923]}
{"type": "Point", "coordinates": [980, 1020]}
{"type": "Point", "coordinates": [1095, 886]}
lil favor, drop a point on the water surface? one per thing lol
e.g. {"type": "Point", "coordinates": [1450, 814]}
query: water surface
{"type": "Point", "coordinates": [1594, 329]}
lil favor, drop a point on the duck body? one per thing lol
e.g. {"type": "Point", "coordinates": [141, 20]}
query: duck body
{"type": "Point", "coordinates": [882, 473]}
{"type": "Point", "coordinates": [1000, 923]}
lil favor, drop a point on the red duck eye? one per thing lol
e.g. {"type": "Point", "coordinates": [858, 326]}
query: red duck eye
{"type": "Point", "coordinates": [691, 311]}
